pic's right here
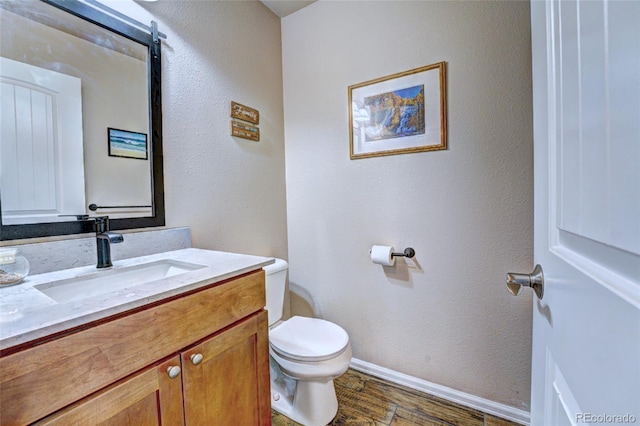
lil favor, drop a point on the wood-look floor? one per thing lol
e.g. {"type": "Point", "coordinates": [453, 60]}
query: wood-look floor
{"type": "Point", "coordinates": [367, 400]}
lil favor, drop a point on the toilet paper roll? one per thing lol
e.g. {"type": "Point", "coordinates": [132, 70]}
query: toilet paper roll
{"type": "Point", "coordinates": [382, 255]}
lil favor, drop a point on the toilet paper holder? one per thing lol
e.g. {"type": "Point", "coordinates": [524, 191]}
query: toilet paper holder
{"type": "Point", "coordinates": [408, 252]}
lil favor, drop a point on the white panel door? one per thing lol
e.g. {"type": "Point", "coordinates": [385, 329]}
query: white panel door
{"type": "Point", "coordinates": [41, 144]}
{"type": "Point", "coordinates": [586, 328]}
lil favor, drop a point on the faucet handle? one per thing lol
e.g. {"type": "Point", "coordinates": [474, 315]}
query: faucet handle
{"type": "Point", "coordinates": [102, 223]}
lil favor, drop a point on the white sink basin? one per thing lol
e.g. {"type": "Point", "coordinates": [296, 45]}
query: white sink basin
{"type": "Point", "coordinates": [111, 280]}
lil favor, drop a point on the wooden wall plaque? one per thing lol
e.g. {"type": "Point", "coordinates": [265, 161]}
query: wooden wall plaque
{"type": "Point", "coordinates": [245, 131]}
{"type": "Point", "coordinates": [242, 112]}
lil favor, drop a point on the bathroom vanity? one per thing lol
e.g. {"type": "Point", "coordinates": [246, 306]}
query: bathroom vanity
{"type": "Point", "coordinates": [191, 348]}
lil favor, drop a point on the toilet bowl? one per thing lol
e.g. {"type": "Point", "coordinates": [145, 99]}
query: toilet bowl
{"type": "Point", "coordinates": [306, 355]}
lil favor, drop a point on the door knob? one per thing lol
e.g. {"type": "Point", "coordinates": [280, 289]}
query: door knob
{"type": "Point", "coordinates": [535, 280]}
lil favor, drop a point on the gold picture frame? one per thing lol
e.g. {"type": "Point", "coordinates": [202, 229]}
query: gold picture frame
{"type": "Point", "coordinates": [399, 114]}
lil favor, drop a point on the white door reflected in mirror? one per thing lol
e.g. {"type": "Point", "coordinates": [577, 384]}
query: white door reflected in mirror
{"type": "Point", "coordinates": [42, 177]}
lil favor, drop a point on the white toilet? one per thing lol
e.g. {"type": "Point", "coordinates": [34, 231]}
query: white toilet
{"type": "Point", "coordinates": [306, 355]}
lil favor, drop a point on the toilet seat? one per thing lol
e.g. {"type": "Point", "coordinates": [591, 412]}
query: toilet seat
{"type": "Point", "coordinates": [308, 339]}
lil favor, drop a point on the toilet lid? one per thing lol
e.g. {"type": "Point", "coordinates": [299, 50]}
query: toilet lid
{"type": "Point", "coordinates": [308, 339]}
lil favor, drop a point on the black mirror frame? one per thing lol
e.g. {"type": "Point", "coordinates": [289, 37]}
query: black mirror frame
{"type": "Point", "coordinates": [82, 10]}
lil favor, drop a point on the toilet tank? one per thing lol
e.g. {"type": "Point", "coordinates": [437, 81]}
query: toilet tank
{"type": "Point", "coordinates": [275, 281]}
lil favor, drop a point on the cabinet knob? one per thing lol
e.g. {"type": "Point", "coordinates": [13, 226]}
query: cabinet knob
{"type": "Point", "coordinates": [173, 371]}
{"type": "Point", "coordinates": [196, 358]}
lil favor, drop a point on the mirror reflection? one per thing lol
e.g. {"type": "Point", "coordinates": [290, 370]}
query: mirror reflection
{"type": "Point", "coordinates": [74, 118]}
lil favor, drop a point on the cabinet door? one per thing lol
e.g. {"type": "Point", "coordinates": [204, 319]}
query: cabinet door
{"type": "Point", "coordinates": [226, 378]}
{"type": "Point", "coordinates": [151, 397]}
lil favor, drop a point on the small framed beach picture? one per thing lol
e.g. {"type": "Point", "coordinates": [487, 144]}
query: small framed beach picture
{"type": "Point", "coordinates": [123, 143]}
{"type": "Point", "coordinates": [399, 114]}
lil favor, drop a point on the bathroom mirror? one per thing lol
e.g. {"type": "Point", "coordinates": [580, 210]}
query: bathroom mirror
{"type": "Point", "coordinates": [81, 120]}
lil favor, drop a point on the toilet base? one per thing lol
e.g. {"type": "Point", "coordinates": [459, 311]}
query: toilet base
{"type": "Point", "coordinates": [309, 402]}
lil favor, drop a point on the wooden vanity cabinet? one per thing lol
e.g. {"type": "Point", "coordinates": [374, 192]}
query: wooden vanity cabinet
{"type": "Point", "coordinates": [116, 372]}
{"type": "Point", "coordinates": [150, 398]}
{"type": "Point", "coordinates": [226, 378]}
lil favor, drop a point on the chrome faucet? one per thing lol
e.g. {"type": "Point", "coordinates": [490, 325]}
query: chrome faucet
{"type": "Point", "coordinates": [104, 238]}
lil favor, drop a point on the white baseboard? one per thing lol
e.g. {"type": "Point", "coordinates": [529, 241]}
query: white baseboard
{"type": "Point", "coordinates": [466, 399]}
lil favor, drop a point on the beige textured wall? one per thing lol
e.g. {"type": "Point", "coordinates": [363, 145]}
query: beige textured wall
{"type": "Point", "coordinates": [230, 191]}
{"type": "Point", "coordinates": [467, 211]}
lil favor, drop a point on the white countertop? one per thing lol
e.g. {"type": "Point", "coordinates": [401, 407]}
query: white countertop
{"type": "Point", "coordinates": [27, 314]}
